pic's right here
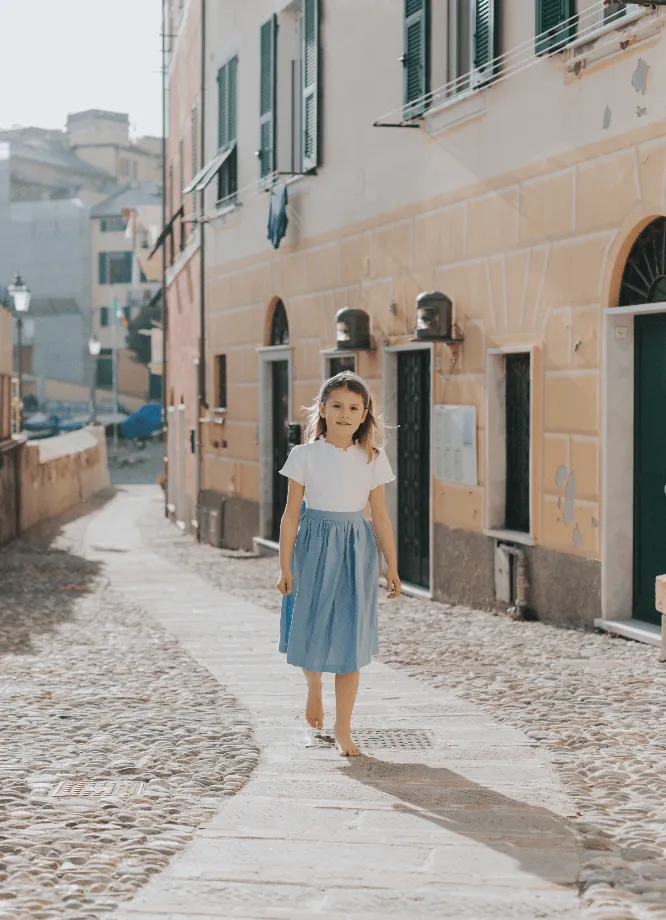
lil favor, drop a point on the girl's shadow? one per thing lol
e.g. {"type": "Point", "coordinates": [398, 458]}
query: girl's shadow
{"type": "Point", "coordinates": [543, 843]}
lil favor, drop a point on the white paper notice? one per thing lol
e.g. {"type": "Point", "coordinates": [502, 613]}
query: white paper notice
{"type": "Point", "coordinates": [455, 444]}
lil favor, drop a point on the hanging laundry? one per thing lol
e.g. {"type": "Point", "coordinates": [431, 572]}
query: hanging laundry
{"type": "Point", "coordinates": [277, 215]}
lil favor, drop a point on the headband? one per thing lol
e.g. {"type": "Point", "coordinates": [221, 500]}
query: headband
{"type": "Point", "coordinates": [347, 375]}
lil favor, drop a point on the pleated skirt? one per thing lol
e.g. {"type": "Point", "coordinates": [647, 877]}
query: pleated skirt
{"type": "Point", "coordinates": [329, 621]}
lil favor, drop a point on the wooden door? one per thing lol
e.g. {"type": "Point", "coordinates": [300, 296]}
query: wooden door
{"type": "Point", "coordinates": [414, 467]}
{"type": "Point", "coordinates": [280, 403]}
{"type": "Point", "coordinates": [649, 462]}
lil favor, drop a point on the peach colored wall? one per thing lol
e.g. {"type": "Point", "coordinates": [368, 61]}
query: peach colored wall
{"type": "Point", "coordinates": [522, 212]}
{"type": "Point", "coordinates": [60, 472]}
{"type": "Point", "coordinates": [183, 278]}
{"type": "Point", "coordinates": [5, 341]}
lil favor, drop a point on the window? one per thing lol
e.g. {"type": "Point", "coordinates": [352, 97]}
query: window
{"type": "Point", "coordinates": [310, 72]}
{"type": "Point", "coordinates": [268, 36]}
{"type": "Point", "coordinates": [517, 503]}
{"type": "Point", "coordinates": [415, 55]}
{"type": "Point", "coordinates": [221, 381]}
{"type": "Point", "coordinates": [115, 267]}
{"type": "Point", "coordinates": [113, 225]}
{"type": "Point", "coordinates": [227, 103]}
{"type": "Point", "coordinates": [127, 313]}
{"type": "Point", "coordinates": [555, 24]}
{"type": "Point", "coordinates": [473, 43]}
{"type": "Point", "coordinates": [105, 369]}
{"type": "Point", "coordinates": [104, 317]}
{"type": "Point", "coordinates": [616, 9]}
{"type": "Point", "coordinates": [339, 363]}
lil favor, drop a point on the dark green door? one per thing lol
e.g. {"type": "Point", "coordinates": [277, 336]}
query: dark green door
{"type": "Point", "coordinates": [280, 372]}
{"type": "Point", "coordinates": [649, 462]}
{"type": "Point", "coordinates": [414, 467]}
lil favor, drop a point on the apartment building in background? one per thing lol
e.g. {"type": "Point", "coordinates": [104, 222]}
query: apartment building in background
{"type": "Point", "coordinates": [120, 288]}
{"type": "Point", "coordinates": [484, 199]}
{"type": "Point", "coordinates": [49, 182]}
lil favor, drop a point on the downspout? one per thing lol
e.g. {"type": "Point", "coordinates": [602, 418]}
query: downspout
{"type": "Point", "coordinates": [201, 400]}
{"type": "Point", "coordinates": [165, 325]}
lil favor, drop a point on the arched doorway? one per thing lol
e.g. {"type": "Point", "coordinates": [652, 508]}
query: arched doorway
{"type": "Point", "coordinates": [644, 282]}
{"type": "Point", "coordinates": [634, 490]}
{"type": "Point", "coordinates": [275, 412]}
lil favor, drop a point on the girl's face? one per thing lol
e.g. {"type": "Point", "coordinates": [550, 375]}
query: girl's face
{"type": "Point", "coordinates": [344, 411]}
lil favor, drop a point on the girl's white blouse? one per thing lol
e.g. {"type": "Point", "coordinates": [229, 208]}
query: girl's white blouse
{"type": "Point", "coordinates": [336, 479]}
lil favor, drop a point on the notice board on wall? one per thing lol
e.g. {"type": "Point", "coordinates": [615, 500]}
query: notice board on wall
{"type": "Point", "coordinates": [454, 442]}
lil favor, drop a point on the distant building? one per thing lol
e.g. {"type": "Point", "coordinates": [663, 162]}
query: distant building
{"type": "Point", "coordinates": [118, 277]}
{"type": "Point", "coordinates": [49, 181]}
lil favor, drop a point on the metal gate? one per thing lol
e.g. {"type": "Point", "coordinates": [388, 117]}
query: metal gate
{"type": "Point", "coordinates": [414, 467]}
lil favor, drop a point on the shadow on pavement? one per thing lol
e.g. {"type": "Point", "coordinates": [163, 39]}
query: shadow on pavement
{"type": "Point", "coordinates": [41, 582]}
{"type": "Point", "coordinates": [540, 841]}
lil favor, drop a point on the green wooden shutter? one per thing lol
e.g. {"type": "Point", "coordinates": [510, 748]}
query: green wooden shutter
{"type": "Point", "coordinates": [232, 105]}
{"type": "Point", "coordinates": [415, 57]}
{"type": "Point", "coordinates": [103, 274]}
{"type": "Point", "coordinates": [555, 24]}
{"type": "Point", "coordinates": [222, 107]}
{"type": "Point", "coordinates": [267, 101]}
{"type": "Point", "coordinates": [486, 40]}
{"type": "Point", "coordinates": [310, 68]}
{"type": "Point", "coordinates": [127, 268]}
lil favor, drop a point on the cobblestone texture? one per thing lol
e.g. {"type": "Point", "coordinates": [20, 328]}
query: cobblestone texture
{"type": "Point", "coordinates": [595, 703]}
{"type": "Point", "coordinates": [92, 689]}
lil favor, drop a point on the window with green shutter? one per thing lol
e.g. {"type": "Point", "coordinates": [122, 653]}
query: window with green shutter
{"type": "Point", "coordinates": [102, 269]}
{"type": "Point", "coordinates": [227, 94]}
{"type": "Point", "coordinates": [555, 24]}
{"type": "Point", "coordinates": [310, 72]}
{"type": "Point", "coordinates": [485, 40]}
{"type": "Point", "coordinates": [415, 57]}
{"type": "Point", "coordinates": [267, 112]}
{"type": "Point", "coordinates": [104, 317]}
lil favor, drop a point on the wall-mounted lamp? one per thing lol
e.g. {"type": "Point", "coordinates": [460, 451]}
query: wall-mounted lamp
{"type": "Point", "coordinates": [352, 330]}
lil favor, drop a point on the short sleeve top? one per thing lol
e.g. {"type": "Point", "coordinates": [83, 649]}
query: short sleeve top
{"type": "Point", "coordinates": [336, 479]}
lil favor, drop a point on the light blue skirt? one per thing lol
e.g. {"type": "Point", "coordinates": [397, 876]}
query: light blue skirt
{"type": "Point", "coordinates": [329, 621]}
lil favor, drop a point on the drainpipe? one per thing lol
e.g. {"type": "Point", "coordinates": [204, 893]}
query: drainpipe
{"type": "Point", "coordinates": [201, 397]}
{"type": "Point", "coordinates": [165, 324]}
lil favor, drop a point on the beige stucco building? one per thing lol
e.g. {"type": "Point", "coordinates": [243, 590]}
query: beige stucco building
{"type": "Point", "coordinates": [529, 188]}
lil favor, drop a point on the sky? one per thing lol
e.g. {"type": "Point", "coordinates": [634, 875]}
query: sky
{"type": "Point", "coordinates": [80, 54]}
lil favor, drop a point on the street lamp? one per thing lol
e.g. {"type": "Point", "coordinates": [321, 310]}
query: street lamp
{"type": "Point", "coordinates": [94, 347]}
{"type": "Point", "coordinates": [21, 295]}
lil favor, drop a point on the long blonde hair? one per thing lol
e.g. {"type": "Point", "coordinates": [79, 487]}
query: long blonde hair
{"type": "Point", "coordinates": [369, 435]}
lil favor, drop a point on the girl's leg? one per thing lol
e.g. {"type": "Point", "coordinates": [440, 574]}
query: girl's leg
{"type": "Point", "coordinates": [346, 688]}
{"type": "Point", "coordinates": [314, 708]}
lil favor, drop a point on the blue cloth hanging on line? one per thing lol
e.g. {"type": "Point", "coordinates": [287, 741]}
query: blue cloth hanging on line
{"type": "Point", "coordinates": [277, 215]}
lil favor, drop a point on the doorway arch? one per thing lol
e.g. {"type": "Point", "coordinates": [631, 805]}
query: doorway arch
{"type": "Point", "coordinates": [275, 399]}
{"type": "Point", "coordinates": [634, 435]}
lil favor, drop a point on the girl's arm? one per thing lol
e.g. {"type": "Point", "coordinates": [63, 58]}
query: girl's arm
{"type": "Point", "coordinates": [384, 531]}
{"type": "Point", "coordinates": [288, 532]}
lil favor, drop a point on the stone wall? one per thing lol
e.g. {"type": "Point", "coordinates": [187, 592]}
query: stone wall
{"type": "Point", "coordinates": [58, 473]}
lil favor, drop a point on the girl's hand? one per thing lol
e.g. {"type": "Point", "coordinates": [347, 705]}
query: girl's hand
{"type": "Point", "coordinates": [393, 584]}
{"type": "Point", "coordinates": [284, 583]}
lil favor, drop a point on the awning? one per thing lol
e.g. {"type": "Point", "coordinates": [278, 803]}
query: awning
{"type": "Point", "coordinates": [210, 170]}
{"type": "Point", "coordinates": [166, 231]}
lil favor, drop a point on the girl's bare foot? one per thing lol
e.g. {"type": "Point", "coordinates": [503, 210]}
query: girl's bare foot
{"type": "Point", "coordinates": [314, 708]}
{"type": "Point", "coordinates": [344, 744]}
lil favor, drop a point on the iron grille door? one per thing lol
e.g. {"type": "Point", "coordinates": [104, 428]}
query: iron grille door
{"type": "Point", "coordinates": [280, 372]}
{"type": "Point", "coordinates": [414, 467]}
{"type": "Point", "coordinates": [517, 513]}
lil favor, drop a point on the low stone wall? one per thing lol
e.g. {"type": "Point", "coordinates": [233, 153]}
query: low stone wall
{"type": "Point", "coordinates": [58, 473]}
{"type": "Point", "coordinates": [10, 459]}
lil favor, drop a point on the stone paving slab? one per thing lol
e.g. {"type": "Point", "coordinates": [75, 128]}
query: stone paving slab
{"type": "Point", "coordinates": [396, 833]}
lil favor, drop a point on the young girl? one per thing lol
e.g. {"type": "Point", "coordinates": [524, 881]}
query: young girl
{"type": "Point", "coordinates": [328, 564]}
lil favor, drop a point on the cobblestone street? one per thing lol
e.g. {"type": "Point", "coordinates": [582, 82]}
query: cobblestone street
{"type": "Point", "coordinates": [137, 656]}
